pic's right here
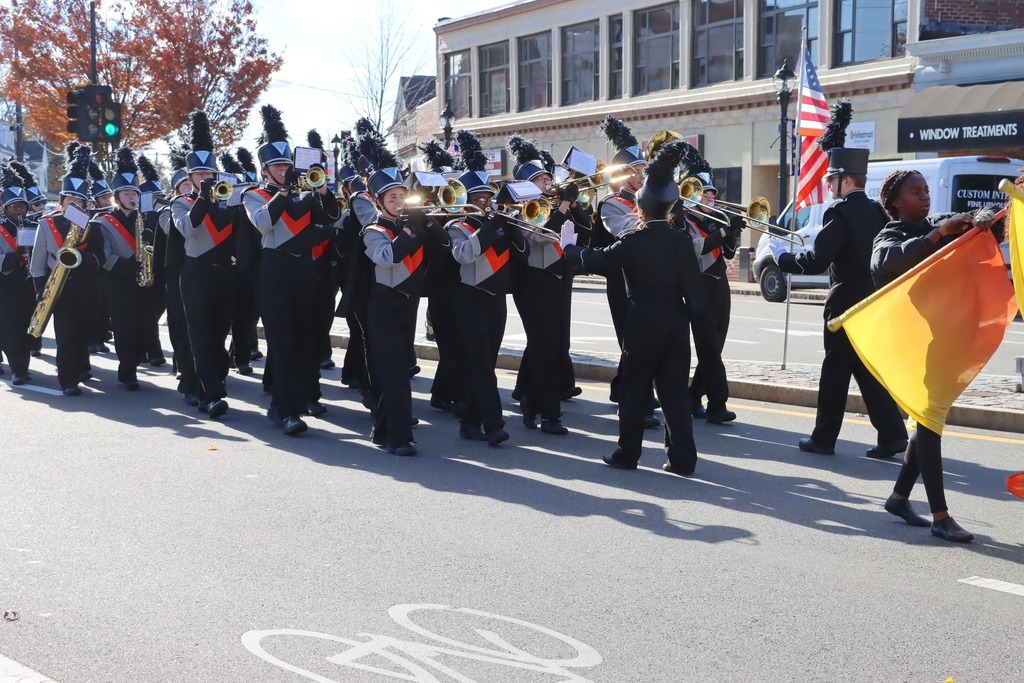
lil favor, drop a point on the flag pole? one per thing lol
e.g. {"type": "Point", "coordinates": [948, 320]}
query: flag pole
{"type": "Point", "coordinates": [794, 182]}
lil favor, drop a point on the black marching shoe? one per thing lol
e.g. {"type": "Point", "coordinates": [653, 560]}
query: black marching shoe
{"type": "Point", "coordinates": [881, 452]}
{"type": "Point", "coordinates": [677, 470]}
{"type": "Point", "coordinates": [949, 530]}
{"type": "Point", "coordinates": [19, 379]}
{"type": "Point", "coordinates": [612, 460]}
{"type": "Point", "coordinates": [293, 425]}
{"type": "Point", "coordinates": [901, 508]}
{"type": "Point", "coordinates": [698, 411]}
{"type": "Point", "coordinates": [552, 427]}
{"type": "Point", "coordinates": [496, 436]}
{"type": "Point", "coordinates": [256, 355]}
{"type": "Point", "coordinates": [719, 416]}
{"type": "Point", "coordinates": [217, 408]}
{"type": "Point", "coordinates": [440, 403]}
{"type": "Point", "coordinates": [192, 399]}
{"type": "Point", "coordinates": [131, 385]}
{"type": "Point", "coordinates": [327, 364]}
{"type": "Point", "coordinates": [808, 445]}
{"type": "Point", "coordinates": [84, 376]}
{"type": "Point", "coordinates": [405, 449]}
{"type": "Point", "coordinates": [471, 432]}
{"type": "Point", "coordinates": [244, 369]}
{"type": "Point", "coordinates": [571, 392]}
{"type": "Point", "coordinates": [157, 361]}
{"type": "Point", "coordinates": [529, 413]}
{"type": "Point", "coordinates": [651, 421]}
{"type": "Point", "coordinates": [315, 409]}
{"type": "Point", "coordinates": [73, 390]}
{"type": "Point", "coordinates": [274, 415]}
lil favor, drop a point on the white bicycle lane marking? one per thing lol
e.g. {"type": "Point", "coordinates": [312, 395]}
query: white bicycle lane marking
{"type": "Point", "coordinates": [419, 660]}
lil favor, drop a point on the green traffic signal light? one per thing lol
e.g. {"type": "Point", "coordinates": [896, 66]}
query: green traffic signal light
{"type": "Point", "coordinates": [111, 129]}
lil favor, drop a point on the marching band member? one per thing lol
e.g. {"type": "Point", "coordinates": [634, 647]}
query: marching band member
{"type": "Point", "coordinates": [207, 277]}
{"type": "Point", "coordinates": [16, 296]}
{"type": "Point", "coordinates": [36, 204]}
{"type": "Point", "coordinates": [72, 310]}
{"type": "Point", "coordinates": [541, 299]}
{"type": "Point", "coordinates": [713, 244]}
{"type": "Point", "coordinates": [394, 243]}
{"type": "Point", "coordinates": [324, 292]}
{"type": "Point", "coordinates": [665, 293]}
{"type": "Point", "coordinates": [843, 247]}
{"type": "Point", "coordinates": [287, 221]}
{"type": "Point", "coordinates": [126, 297]}
{"type": "Point", "coordinates": [102, 201]}
{"type": "Point", "coordinates": [482, 246]}
{"type": "Point", "coordinates": [248, 251]}
{"type": "Point", "coordinates": [156, 295]}
{"type": "Point", "coordinates": [442, 286]}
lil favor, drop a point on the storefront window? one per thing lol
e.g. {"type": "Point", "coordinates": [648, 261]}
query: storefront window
{"type": "Point", "coordinates": [494, 80]}
{"type": "Point", "coordinates": [580, 60]}
{"type": "Point", "coordinates": [867, 30]}
{"type": "Point", "coordinates": [655, 49]}
{"type": "Point", "coordinates": [779, 34]}
{"type": "Point", "coordinates": [535, 71]}
{"type": "Point", "coordinates": [717, 41]}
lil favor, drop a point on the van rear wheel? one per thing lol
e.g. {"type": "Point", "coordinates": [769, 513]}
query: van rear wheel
{"type": "Point", "coordinates": [773, 283]}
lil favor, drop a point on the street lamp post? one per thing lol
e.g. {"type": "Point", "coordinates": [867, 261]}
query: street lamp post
{"type": "Point", "coordinates": [336, 141]}
{"type": "Point", "coordinates": [447, 116]}
{"type": "Point", "coordinates": [782, 78]}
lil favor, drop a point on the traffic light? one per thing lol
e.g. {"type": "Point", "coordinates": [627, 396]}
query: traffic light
{"type": "Point", "coordinates": [74, 124]}
{"type": "Point", "coordinates": [95, 117]}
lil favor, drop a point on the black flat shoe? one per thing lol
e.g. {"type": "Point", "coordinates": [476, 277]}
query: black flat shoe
{"type": "Point", "coordinates": [614, 462]}
{"type": "Point", "coordinates": [191, 399]}
{"type": "Point", "coordinates": [699, 411]}
{"type": "Point", "coordinates": [245, 369]}
{"type": "Point", "coordinates": [72, 391]}
{"type": "Point", "coordinates": [676, 470]}
{"type": "Point", "coordinates": [256, 355]}
{"type": "Point", "coordinates": [496, 436]}
{"type": "Point", "coordinates": [274, 415]}
{"type": "Point", "coordinates": [807, 445]}
{"type": "Point", "coordinates": [217, 408]}
{"type": "Point", "coordinates": [553, 427]}
{"type": "Point", "coordinates": [19, 379]}
{"type": "Point", "coordinates": [571, 393]}
{"type": "Point", "coordinates": [131, 385]}
{"type": "Point", "coordinates": [293, 426]}
{"type": "Point", "coordinates": [529, 414]}
{"type": "Point", "coordinates": [902, 509]}
{"type": "Point", "coordinates": [157, 361]}
{"type": "Point", "coordinates": [719, 416]}
{"type": "Point", "coordinates": [881, 452]}
{"type": "Point", "coordinates": [405, 450]}
{"type": "Point", "coordinates": [472, 433]}
{"type": "Point", "coordinates": [315, 409]}
{"type": "Point", "coordinates": [327, 364]}
{"type": "Point", "coordinates": [949, 530]}
{"type": "Point", "coordinates": [651, 422]}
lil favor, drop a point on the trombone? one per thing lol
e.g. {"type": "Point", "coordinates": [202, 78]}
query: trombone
{"type": "Point", "coordinates": [589, 184]}
{"type": "Point", "coordinates": [756, 212]}
{"type": "Point", "coordinates": [534, 214]}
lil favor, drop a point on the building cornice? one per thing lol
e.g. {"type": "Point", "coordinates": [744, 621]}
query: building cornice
{"type": "Point", "coordinates": [488, 16]}
{"type": "Point", "coordinates": [985, 46]}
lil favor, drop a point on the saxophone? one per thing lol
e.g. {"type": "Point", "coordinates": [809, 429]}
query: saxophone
{"type": "Point", "coordinates": [68, 258]}
{"type": "Point", "coordinates": [143, 254]}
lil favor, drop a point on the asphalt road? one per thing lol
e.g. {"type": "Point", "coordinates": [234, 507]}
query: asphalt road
{"type": "Point", "coordinates": [139, 542]}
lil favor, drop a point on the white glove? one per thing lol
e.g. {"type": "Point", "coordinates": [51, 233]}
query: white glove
{"type": "Point", "coordinates": [777, 246]}
{"type": "Point", "coordinates": [984, 218]}
{"type": "Point", "coordinates": [568, 234]}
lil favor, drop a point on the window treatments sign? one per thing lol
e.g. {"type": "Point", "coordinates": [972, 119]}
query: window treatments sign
{"type": "Point", "coordinates": [993, 130]}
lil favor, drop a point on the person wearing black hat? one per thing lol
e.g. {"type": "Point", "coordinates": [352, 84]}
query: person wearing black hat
{"type": "Point", "coordinates": [325, 290]}
{"type": "Point", "coordinates": [287, 221]}
{"type": "Point", "coordinates": [843, 247]}
{"type": "Point", "coordinates": [156, 295]}
{"type": "Point", "coordinates": [246, 313]}
{"type": "Point", "coordinates": [207, 275]}
{"type": "Point", "coordinates": [72, 310]}
{"type": "Point", "coordinates": [126, 297]}
{"type": "Point", "coordinates": [17, 298]}
{"type": "Point", "coordinates": [36, 205]}
{"type": "Point", "coordinates": [541, 299]}
{"type": "Point", "coordinates": [713, 243]}
{"type": "Point", "coordinates": [663, 280]}
{"type": "Point", "coordinates": [101, 200]}
{"type": "Point", "coordinates": [174, 259]}
{"type": "Point", "coordinates": [394, 244]}
{"type": "Point", "coordinates": [483, 247]}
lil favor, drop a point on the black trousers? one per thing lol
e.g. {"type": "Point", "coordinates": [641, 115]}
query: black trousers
{"type": "Point", "coordinates": [924, 458]}
{"type": "Point", "coordinates": [541, 306]}
{"type": "Point", "coordinates": [245, 316]}
{"type": "Point", "coordinates": [354, 369]}
{"type": "Point", "coordinates": [324, 304]}
{"type": "Point", "coordinates": [128, 320]}
{"type": "Point", "coordinates": [443, 306]}
{"type": "Point", "coordinates": [657, 348]}
{"type": "Point", "coordinates": [17, 301]}
{"type": "Point", "coordinates": [286, 301]}
{"type": "Point", "coordinates": [207, 292]}
{"type": "Point", "coordinates": [177, 329]}
{"type": "Point", "coordinates": [390, 326]}
{"type": "Point", "coordinates": [481, 321]}
{"type": "Point", "coordinates": [566, 373]}
{"type": "Point", "coordinates": [618, 306]}
{"type": "Point", "coordinates": [709, 334]}
{"type": "Point", "coordinates": [155, 302]}
{"type": "Point", "coordinates": [840, 364]}
{"type": "Point", "coordinates": [71, 316]}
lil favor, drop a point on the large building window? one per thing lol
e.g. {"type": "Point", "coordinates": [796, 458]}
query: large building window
{"type": "Point", "coordinates": [869, 29]}
{"type": "Point", "coordinates": [655, 49]}
{"type": "Point", "coordinates": [458, 83]}
{"type": "Point", "coordinates": [535, 71]}
{"type": "Point", "coordinates": [494, 81]}
{"type": "Point", "coordinates": [581, 53]}
{"type": "Point", "coordinates": [717, 41]}
{"type": "Point", "coordinates": [729, 183]}
{"type": "Point", "coordinates": [615, 57]}
{"type": "Point", "coordinates": [779, 34]}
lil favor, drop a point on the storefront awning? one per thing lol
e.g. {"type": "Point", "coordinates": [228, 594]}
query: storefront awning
{"type": "Point", "coordinates": [953, 117]}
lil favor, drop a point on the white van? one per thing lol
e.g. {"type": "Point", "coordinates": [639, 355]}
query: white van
{"type": "Point", "coordinates": [956, 184]}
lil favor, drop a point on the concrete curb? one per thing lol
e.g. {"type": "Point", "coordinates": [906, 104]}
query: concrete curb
{"type": "Point", "coordinates": [601, 370]}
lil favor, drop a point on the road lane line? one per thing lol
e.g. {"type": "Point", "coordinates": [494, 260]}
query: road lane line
{"type": "Point", "coordinates": [38, 390]}
{"type": "Point", "coordinates": [14, 672]}
{"type": "Point", "coordinates": [994, 584]}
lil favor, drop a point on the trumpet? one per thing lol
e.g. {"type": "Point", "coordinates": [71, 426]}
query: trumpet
{"type": "Point", "coordinates": [342, 203]}
{"type": "Point", "coordinates": [314, 177]}
{"type": "Point", "coordinates": [221, 191]}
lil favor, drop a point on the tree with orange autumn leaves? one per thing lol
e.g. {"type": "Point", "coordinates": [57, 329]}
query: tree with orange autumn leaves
{"type": "Point", "coordinates": [162, 59]}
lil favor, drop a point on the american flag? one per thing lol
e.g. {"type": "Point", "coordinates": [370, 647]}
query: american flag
{"type": "Point", "coordinates": [454, 148]}
{"type": "Point", "coordinates": [812, 116]}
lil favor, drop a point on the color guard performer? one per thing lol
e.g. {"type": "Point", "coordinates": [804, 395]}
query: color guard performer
{"type": "Point", "coordinates": [17, 298]}
{"type": "Point", "coordinates": [121, 229]}
{"type": "Point", "coordinates": [287, 221]}
{"type": "Point", "coordinates": [72, 309]}
{"type": "Point", "coordinates": [664, 293]}
{"type": "Point", "coordinates": [482, 244]}
{"type": "Point", "coordinates": [207, 275]}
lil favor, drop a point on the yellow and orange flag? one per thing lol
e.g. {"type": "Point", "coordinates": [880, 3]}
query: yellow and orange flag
{"type": "Point", "coordinates": [926, 335]}
{"type": "Point", "coordinates": [1016, 237]}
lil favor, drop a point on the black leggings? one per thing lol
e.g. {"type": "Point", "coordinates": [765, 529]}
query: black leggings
{"type": "Point", "coordinates": [924, 457]}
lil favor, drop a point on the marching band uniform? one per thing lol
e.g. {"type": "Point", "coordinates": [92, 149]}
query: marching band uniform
{"type": "Point", "coordinates": [287, 221]}
{"type": "Point", "coordinates": [843, 247]}
{"type": "Point", "coordinates": [355, 279]}
{"type": "Point", "coordinates": [36, 204]}
{"type": "Point", "coordinates": [126, 297]}
{"type": "Point", "coordinates": [207, 277]}
{"type": "Point", "coordinates": [72, 310]}
{"type": "Point", "coordinates": [155, 296]}
{"type": "Point", "coordinates": [103, 200]}
{"type": "Point", "coordinates": [663, 282]}
{"type": "Point", "coordinates": [16, 294]}
{"type": "Point", "coordinates": [248, 252]}
{"type": "Point", "coordinates": [398, 271]}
